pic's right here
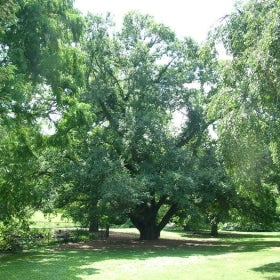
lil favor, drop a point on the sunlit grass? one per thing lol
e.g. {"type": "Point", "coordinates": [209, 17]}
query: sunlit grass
{"type": "Point", "coordinates": [231, 256]}
{"type": "Point", "coordinates": [40, 220]}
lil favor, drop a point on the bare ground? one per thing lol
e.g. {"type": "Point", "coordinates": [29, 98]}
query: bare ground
{"type": "Point", "coordinates": [120, 240]}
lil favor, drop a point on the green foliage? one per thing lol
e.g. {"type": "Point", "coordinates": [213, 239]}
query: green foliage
{"type": "Point", "coordinates": [16, 236]}
{"type": "Point", "coordinates": [11, 238]}
{"type": "Point", "coordinates": [19, 157]}
{"type": "Point", "coordinates": [246, 103]}
{"type": "Point", "coordinates": [35, 41]}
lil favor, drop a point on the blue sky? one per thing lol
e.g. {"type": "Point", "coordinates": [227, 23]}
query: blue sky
{"type": "Point", "coordinates": [186, 17]}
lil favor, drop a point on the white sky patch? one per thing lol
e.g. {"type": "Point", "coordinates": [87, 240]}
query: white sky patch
{"type": "Point", "coordinates": [48, 124]}
{"type": "Point", "coordinates": [192, 18]}
{"type": "Point", "coordinates": [178, 120]}
{"type": "Point", "coordinates": [212, 132]}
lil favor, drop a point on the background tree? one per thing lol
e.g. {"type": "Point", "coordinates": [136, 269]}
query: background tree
{"type": "Point", "coordinates": [35, 69]}
{"type": "Point", "coordinates": [216, 195]}
{"type": "Point", "coordinates": [246, 104]}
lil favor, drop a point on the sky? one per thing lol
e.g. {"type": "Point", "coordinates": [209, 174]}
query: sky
{"type": "Point", "coordinates": [192, 18]}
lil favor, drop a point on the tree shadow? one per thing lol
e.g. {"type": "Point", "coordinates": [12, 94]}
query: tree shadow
{"type": "Point", "coordinates": [228, 234]}
{"type": "Point", "coordinates": [52, 264]}
{"type": "Point", "coordinates": [75, 261]}
{"type": "Point", "coordinates": [269, 268]}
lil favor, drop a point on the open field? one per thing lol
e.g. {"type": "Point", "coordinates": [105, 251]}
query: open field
{"type": "Point", "coordinates": [174, 256]}
{"type": "Point", "coordinates": [39, 220]}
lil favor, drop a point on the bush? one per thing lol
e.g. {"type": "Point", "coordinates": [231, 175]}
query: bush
{"type": "Point", "coordinates": [249, 227]}
{"type": "Point", "coordinates": [14, 237]}
{"type": "Point", "coordinates": [11, 238]}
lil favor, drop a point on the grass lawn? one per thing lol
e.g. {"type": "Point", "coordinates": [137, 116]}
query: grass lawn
{"type": "Point", "coordinates": [175, 256]}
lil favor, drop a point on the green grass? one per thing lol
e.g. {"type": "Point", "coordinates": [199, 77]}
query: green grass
{"type": "Point", "coordinates": [231, 256]}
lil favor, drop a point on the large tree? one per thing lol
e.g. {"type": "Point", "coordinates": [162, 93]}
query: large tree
{"type": "Point", "coordinates": [128, 159]}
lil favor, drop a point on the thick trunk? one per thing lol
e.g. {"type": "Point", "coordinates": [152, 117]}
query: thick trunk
{"type": "Point", "coordinates": [149, 232]}
{"type": "Point", "coordinates": [145, 220]}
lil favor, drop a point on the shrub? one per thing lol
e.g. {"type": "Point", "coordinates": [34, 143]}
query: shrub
{"type": "Point", "coordinates": [14, 237]}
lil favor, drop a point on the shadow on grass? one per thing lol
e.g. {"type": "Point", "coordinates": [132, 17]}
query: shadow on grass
{"type": "Point", "coordinates": [76, 261]}
{"type": "Point", "coordinates": [232, 234]}
{"type": "Point", "coordinates": [48, 265]}
{"type": "Point", "coordinates": [269, 268]}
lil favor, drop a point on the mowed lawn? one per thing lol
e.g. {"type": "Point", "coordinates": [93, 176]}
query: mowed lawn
{"type": "Point", "coordinates": [175, 256]}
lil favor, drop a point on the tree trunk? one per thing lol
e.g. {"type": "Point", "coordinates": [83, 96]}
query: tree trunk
{"type": "Point", "coordinates": [145, 220]}
{"type": "Point", "coordinates": [94, 225]}
{"type": "Point", "coordinates": [148, 229]}
{"type": "Point", "coordinates": [214, 227]}
{"type": "Point", "coordinates": [107, 231]}
{"type": "Point", "coordinates": [149, 232]}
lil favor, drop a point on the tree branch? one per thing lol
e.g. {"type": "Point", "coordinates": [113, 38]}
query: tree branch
{"type": "Point", "coordinates": [161, 202]}
{"type": "Point", "coordinates": [168, 215]}
{"type": "Point", "coordinates": [161, 73]}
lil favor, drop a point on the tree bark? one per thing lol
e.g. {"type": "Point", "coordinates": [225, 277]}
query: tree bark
{"type": "Point", "coordinates": [149, 232]}
{"type": "Point", "coordinates": [214, 227]}
{"type": "Point", "coordinates": [145, 220]}
{"type": "Point", "coordinates": [94, 225]}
